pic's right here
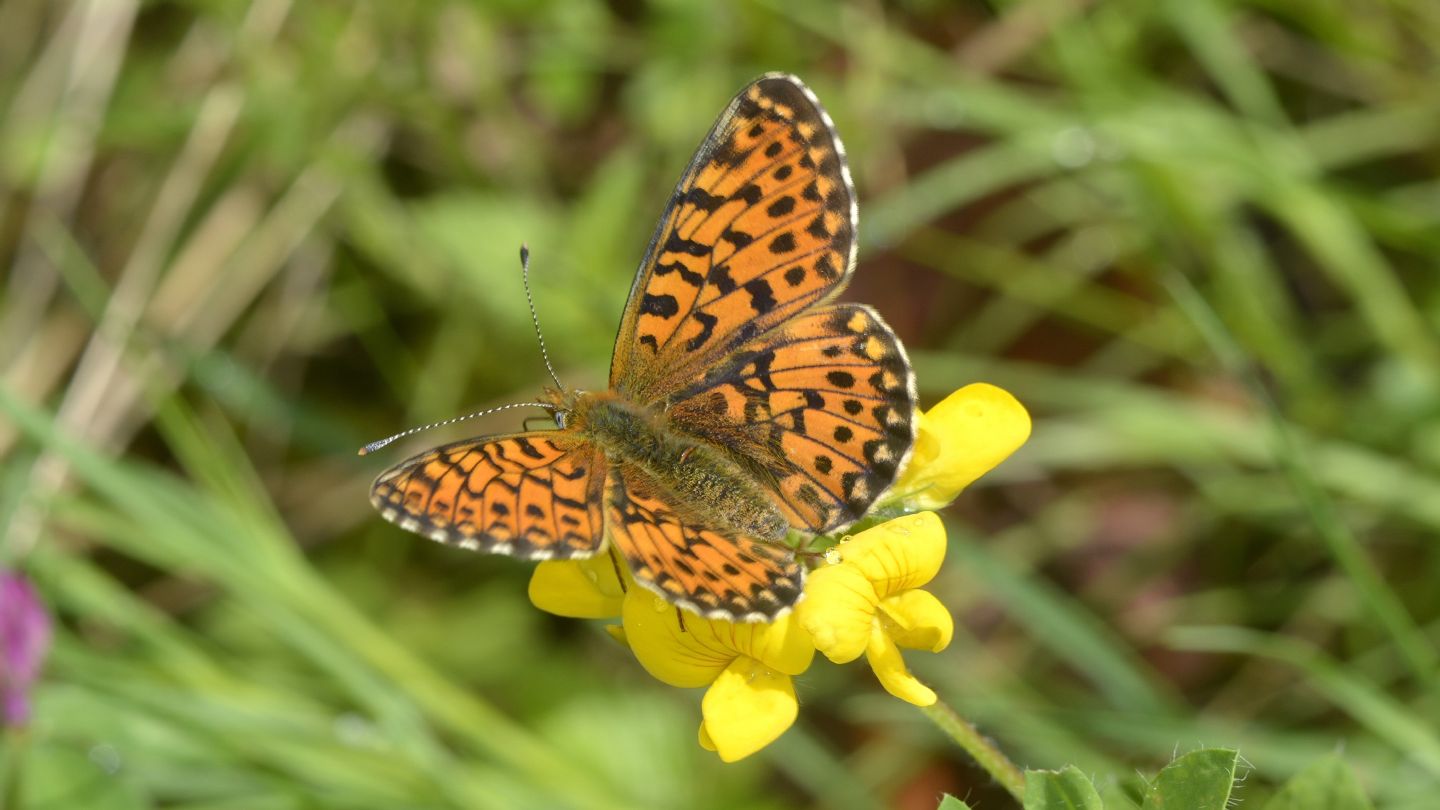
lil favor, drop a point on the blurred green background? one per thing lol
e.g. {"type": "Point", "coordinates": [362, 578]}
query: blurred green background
{"type": "Point", "coordinates": [1198, 238]}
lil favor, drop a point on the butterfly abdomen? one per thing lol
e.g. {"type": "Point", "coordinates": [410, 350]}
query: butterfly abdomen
{"type": "Point", "coordinates": [703, 482]}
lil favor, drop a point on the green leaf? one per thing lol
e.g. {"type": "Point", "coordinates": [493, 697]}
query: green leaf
{"type": "Point", "coordinates": [1122, 793]}
{"type": "Point", "coordinates": [1200, 780]}
{"type": "Point", "coordinates": [1068, 789]}
{"type": "Point", "coordinates": [949, 802]}
{"type": "Point", "coordinates": [1327, 785]}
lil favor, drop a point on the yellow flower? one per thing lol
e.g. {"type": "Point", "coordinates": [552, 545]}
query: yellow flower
{"type": "Point", "coordinates": [868, 600]}
{"type": "Point", "coordinates": [747, 667]}
{"type": "Point", "coordinates": [580, 589]}
{"type": "Point", "coordinates": [960, 439]}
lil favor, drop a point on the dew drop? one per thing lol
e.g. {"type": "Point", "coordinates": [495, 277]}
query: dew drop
{"type": "Point", "coordinates": [1073, 147]}
{"type": "Point", "coordinates": [832, 555]}
{"type": "Point", "coordinates": [660, 605]}
{"type": "Point", "coordinates": [106, 757]}
{"type": "Point", "coordinates": [353, 730]}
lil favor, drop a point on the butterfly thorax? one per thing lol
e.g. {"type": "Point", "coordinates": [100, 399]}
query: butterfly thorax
{"type": "Point", "coordinates": [701, 480]}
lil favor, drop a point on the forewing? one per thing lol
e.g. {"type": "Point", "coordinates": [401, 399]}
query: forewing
{"type": "Point", "coordinates": [824, 406]}
{"type": "Point", "coordinates": [714, 573]}
{"type": "Point", "coordinates": [531, 495]}
{"type": "Point", "coordinates": [761, 226]}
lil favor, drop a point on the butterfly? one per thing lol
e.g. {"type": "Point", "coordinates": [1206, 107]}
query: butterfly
{"type": "Point", "coordinates": [742, 405]}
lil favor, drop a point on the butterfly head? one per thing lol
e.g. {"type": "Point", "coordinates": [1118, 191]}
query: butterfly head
{"type": "Point", "coordinates": [562, 405]}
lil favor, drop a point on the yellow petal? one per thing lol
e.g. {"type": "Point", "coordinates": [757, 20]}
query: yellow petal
{"type": "Point", "coordinates": [898, 555]}
{"type": "Point", "coordinates": [683, 649]}
{"type": "Point", "coordinates": [884, 658]}
{"type": "Point", "coordinates": [747, 708]}
{"type": "Point", "coordinates": [837, 611]}
{"type": "Point", "coordinates": [617, 632]}
{"type": "Point", "coordinates": [916, 619]}
{"type": "Point", "coordinates": [783, 645]}
{"type": "Point", "coordinates": [705, 741]}
{"type": "Point", "coordinates": [579, 589]}
{"type": "Point", "coordinates": [960, 439]}
{"type": "Point", "coordinates": [670, 652]}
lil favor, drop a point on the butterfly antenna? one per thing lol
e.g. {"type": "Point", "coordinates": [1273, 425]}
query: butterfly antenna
{"type": "Point", "coordinates": [530, 299]}
{"type": "Point", "coordinates": [376, 445]}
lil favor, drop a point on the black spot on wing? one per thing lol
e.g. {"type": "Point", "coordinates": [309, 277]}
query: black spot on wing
{"type": "Point", "coordinates": [707, 328]}
{"type": "Point", "coordinates": [781, 207]}
{"type": "Point", "coordinates": [691, 277]}
{"type": "Point", "coordinates": [702, 199]}
{"type": "Point", "coordinates": [720, 276]}
{"type": "Point", "coordinates": [527, 448]}
{"type": "Point", "coordinates": [750, 194]}
{"type": "Point", "coordinates": [783, 243]}
{"type": "Point", "coordinates": [688, 247]}
{"type": "Point", "coordinates": [762, 297]}
{"type": "Point", "coordinates": [737, 238]}
{"type": "Point", "coordinates": [664, 306]}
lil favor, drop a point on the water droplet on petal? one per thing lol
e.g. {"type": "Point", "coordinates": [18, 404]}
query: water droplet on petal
{"type": "Point", "coordinates": [660, 605]}
{"type": "Point", "coordinates": [832, 555]}
{"type": "Point", "coordinates": [592, 576]}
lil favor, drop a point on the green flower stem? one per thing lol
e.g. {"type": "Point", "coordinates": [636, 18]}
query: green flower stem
{"type": "Point", "coordinates": [979, 747]}
{"type": "Point", "coordinates": [12, 751]}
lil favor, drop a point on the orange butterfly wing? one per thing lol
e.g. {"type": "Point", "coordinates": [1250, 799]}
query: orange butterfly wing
{"type": "Point", "coordinates": [533, 495]}
{"type": "Point", "coordinates": [721, 330]}
{"type": "Point", "coordinates": [714, 573]}
{"type": "Point", "coordinates": [760, 227]}
{"type": "Point", "coordinates": [825, 404]}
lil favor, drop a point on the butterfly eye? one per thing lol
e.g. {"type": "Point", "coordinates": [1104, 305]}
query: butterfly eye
{"type": "Point", "coordinates": [560, 418]}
